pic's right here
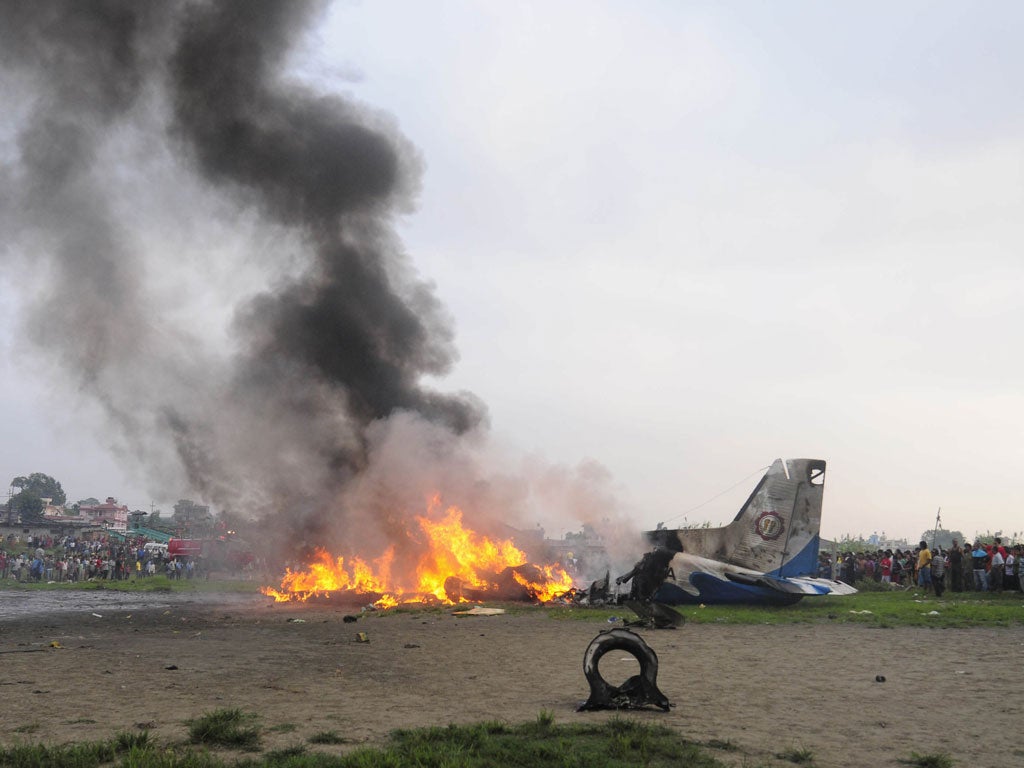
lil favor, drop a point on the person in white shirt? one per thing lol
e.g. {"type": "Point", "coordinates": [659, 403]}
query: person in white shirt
{"type": "Point", "coordinates": [995, 573]}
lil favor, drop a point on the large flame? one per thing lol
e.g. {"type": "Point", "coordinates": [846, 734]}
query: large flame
{"type": "Point", "coordinates": [450, 551]}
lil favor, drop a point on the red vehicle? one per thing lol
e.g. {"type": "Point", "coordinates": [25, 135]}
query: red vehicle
{"type": "Point", "coordinates": [186, 547]}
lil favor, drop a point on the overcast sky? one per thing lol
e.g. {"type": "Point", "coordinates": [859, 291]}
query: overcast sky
{"type": "Point", "coordinates": [685, 239]}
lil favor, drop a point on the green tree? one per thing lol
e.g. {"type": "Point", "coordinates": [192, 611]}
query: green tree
{"type": "Point", "coordinates": [24, 506]}
{"type": "Point", "coordinates": [43, 486]}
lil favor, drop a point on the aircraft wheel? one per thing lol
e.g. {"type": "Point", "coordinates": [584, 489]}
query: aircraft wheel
{"type": "Point", "coordinates": [639, 690]}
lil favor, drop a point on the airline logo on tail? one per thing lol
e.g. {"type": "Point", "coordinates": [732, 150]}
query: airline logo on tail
{"type": "Point", "coordinates": [769, 526]}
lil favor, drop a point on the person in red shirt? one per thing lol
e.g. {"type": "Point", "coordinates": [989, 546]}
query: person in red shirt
{"type": "Point", "coordinates": [886, 565]}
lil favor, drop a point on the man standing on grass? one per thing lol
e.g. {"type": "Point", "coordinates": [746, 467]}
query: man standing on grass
{"type": "Point", "coordinates": [886, 565]}
{"type": "Point", "coordinates": [1009, 570]}
{"type": "Point", "coordinates": [995, 574]}
{"type": "Point", "coordinates": [979, 557]}
{"type": "Point", "coordinates": [956, 567]}
{"type": "Point", "coordinates": [924, 566]}
{"type": "Point", "coordinates": [939, 572]}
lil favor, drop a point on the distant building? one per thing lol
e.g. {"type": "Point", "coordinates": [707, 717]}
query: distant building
{"type": "Point", "coordinates": [108, 514]}
{"type": "Point", "coordinates": [50, 511]}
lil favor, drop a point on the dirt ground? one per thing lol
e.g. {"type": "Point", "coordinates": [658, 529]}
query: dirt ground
{"type": "Point", "coordinates": [765, 689]}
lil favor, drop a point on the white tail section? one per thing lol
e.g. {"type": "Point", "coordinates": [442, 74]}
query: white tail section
{"type": "Point", "coordinates": [776, 529]}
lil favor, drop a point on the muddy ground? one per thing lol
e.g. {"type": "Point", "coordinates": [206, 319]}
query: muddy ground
{"type": "Point", "coordinates": [77, 675]}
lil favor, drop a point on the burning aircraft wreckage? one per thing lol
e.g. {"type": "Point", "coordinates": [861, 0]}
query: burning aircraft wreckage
{"type": "Point", "coordinates": [768, 554]}
{"type": "Point", "coordinates": [452, 564]}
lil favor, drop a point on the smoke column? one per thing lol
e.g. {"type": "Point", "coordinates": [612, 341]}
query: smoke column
{"type": "Point", "coordinates": [141, 136]}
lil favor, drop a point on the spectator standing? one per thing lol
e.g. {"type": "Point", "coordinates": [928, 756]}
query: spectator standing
{"type": "Point", "coordinates": [939, 572]}
{"type": "Point", "coordinates": [968, 568]}
{"type": "Point", "coordinates": [995, 574]}
{"type": "Point", "coordinates": [886, 567]}
{"type": "Point", "coordinates": [979, 557]}
{"type": "Point", "coordinates": [956, 567]}
{"type": "Point", "coordinates": [1010, 570]}
{"type": "Point", "coordinates": [924, 562]}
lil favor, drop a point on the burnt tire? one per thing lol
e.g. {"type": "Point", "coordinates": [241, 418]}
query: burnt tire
{"type": "Point", "coordinates": [638, 691]}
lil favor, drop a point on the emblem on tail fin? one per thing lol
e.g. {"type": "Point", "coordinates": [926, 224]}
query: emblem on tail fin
{"type": "Point", "coordinates": [769, 525]}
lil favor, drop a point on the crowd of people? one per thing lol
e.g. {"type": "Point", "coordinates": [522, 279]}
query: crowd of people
{"type": "Point", "coordinates": [71, 559]}
{"type": "Point", "coordinates": [978, 568]}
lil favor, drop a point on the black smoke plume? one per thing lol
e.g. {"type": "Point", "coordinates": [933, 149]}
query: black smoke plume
{"type": "Point", "coordinates": [343, 336]}
{"type": "Point", "coordinates": [205, 246]}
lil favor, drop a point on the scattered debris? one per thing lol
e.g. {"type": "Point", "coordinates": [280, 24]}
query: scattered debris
{"type": "Point", "coordinates": [638, 691]}
{"type": "Point", "coordinates": [98, 615]}
{"type": "Point", "coordinates": [879, 678]}
{"type": "Point", "coordinates": [654, 615]}
{"type": "Point", "coordinates": [362, 637]}
{"type": "Point", "coordinates": [410, 645]}
{"type": "Point", "coordinates": [350, 619]}
{"type": "Point", "coordinates": [171, 666]}
{"type": "Point", "coordinates": [479, 610]}
{"type": "Point", "coordinates": [296, 621]}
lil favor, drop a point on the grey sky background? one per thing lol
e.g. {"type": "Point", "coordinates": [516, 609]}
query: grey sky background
{"type": "Point", "coordinates": [684, 239]}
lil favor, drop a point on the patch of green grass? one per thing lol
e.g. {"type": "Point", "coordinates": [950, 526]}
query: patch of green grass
{"type": "Point", "coordinates": [138, 740]}
{"type": "Point", "coordinates": [285, 755]}
{"type": "Point", "coordinates": [225, 728]}
{"type": "Point", "coordinates": [327, 737]}
{"type": "Point", "coordinates": [883, 609]}
{"type": "Point", "coordinates": [585, 613]}
{"type": "Point", "coordinates": [135, 584]}
{"type": "Point", "coordinates": [797, 755]}
{"type": "Point", "coordinates": [939, 760]}
{"type": "Point", "coordinates": [616, 743]}
{"type": "Point", "coordinates": [63, 756]}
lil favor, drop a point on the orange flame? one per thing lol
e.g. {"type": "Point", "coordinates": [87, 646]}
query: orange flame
{"type": "Point", "coordinates": [450, 550]}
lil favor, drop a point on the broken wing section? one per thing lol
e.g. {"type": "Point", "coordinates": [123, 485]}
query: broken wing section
{"type": "Point", "coordinates": [702, 580]}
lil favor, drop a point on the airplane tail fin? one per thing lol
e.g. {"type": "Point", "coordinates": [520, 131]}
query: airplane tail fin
{"type": "Point", "coordinates": [776, 530]}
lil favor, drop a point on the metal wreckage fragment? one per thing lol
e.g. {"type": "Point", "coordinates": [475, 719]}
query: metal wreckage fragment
{"type": "Point", "coordinates": [638, 691]}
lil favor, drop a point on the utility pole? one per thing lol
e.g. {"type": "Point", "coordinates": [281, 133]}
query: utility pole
{"type": "Point", "coordinates": [938, 525]}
